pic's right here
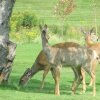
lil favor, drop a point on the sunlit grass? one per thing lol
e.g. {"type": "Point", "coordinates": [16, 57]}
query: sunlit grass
{"type": "Point", "coordinates": [25, 57]}
{"type": "Point", "coordinates": [27, 53]}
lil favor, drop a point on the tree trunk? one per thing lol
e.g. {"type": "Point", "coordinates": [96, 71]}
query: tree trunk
{"type": "Point", "coordinates": [7, 48]}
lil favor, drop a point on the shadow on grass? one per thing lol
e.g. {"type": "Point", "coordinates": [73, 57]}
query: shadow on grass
{"type": "Point", "coordinates": [33, 86]}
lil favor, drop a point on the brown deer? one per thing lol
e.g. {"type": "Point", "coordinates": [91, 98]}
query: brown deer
{"type": "Point", "coordinates": [76, 57]}
{"type": "Point", "coordinates": [93, 46]}
{"type": "Point", "coordinates": [41, 63]}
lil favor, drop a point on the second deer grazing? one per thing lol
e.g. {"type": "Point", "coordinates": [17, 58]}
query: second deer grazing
{"type": "Point", "coordinates": [93, 46]}
{"type": "Point", "coordinates": [76, 57]}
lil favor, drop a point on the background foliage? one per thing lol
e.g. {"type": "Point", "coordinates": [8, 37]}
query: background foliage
{"type": "Point", "coordinates": [30, 15]}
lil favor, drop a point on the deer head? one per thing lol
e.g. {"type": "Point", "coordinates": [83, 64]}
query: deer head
{"type": "Point", "coordinates": [44, 33]}
{"type": "Point", "coordinates": [25, 77]}
{"type": "Point", "coordinates": [90, 35]}
{"type": "Point", "coordinates": [88, 32]}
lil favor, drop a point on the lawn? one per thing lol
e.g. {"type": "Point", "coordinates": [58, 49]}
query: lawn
{"type": "Point", "coordinates": [25, 56]}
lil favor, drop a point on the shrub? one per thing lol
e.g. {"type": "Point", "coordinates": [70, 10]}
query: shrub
{"type": "Point", "coordinates": [14, 20]}
{"type": "Point", "coordinates": [30, 35]}
{"type": "Point", "coordinates": [59, 30]}
{"type": "Point", "coordinates": [26, 20]}
{"type": "Point", "coordinates": [24, 35]}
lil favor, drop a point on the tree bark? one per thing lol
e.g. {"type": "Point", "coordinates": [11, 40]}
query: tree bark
{"type": "Point", "coordinates": [7, 48]}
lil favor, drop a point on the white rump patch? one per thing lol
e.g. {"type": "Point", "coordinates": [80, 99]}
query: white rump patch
{"type": "Point", "coordinates": [95, 56]}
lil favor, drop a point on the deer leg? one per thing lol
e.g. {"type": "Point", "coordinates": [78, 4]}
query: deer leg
{"type": "Point", "coordinates": [90, 72]}
{"type": "Point", "coordinates": [56, 75]}
{"type": "Point", "coordinates": [94, 63]}
{"type": "Point", "coordinates": [93, 70]}
{"type": "Point", "coordinates": [83, 81]}
{"type": "Point", "coordinates": [46, 70]}
{"type": "Point", "coordinates": [94, 87]}
{"type": "Point", "coordinates": [78, 79]}
{"type": "Point", "coordinates": [91, 82]}
{"type": "Point", "coordinates": [74, 82]}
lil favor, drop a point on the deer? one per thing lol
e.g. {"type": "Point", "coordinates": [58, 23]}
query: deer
{"type": "Point", "coordinates": [41, 63]}
{"type": "Point", "coordinates": [75, 57]}
{"type": "Point", "coordinates": [93, 46]}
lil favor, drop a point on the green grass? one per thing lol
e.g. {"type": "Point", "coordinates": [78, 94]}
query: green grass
{"type": "Point", "coordinates": [27, 53]}
{"type": "Point", "coordinates": [25, 56]}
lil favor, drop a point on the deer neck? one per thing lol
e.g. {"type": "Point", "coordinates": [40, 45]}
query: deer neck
{"type": "Point", "coordinates": [46, 48]}
{"type": "Point", "coordinates": [44, 42]}
{"type": "Point", "coordinates": [34, 69]}
{"type": "Point", "coordinates": [89, 43]}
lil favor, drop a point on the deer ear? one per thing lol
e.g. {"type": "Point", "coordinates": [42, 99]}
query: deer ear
{"type": "Point", "coordinates": [82, 30]}
{"type": "Point", "coordinates": [46, 26]}
{"type": "Point", "coordinates": [92, 30]}
{"type": "Point", "coordinates": [40, 27]}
